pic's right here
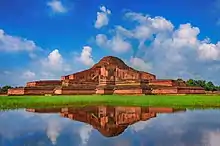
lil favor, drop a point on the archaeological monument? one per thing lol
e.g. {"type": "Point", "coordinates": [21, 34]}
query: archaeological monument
{"type": "Point", "coordinates": [109, 76]}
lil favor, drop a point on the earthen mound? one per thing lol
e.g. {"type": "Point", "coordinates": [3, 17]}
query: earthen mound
{"type": "Point", "coordinates": [111, 61]}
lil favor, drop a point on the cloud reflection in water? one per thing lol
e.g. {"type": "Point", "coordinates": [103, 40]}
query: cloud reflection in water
{"type": "Point", "coordinates": [110, 126]}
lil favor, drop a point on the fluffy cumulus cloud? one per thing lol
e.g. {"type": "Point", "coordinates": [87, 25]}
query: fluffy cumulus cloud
{"type": "Point", "coordinates": [118, 44]}
{"type": "Point", "coordinates": [148, 26]}
{"type": "Point", "coordinates": [102, 17]}
{"type": "Point", "coordinates": [9, 43]}
{"type": "Point", "coordinates": [46, 66]}
{"type": "Point", "coordinates": [140, 64]}
{"type": "Point", "coordinates": [54, 60]}
{"type": "Point", "coordinates": [52, 66]}
{"type": "Point", "coordinates": [28, 75]}
{"type": "Point", "coordinates": [57, 6]}
{"type": "Point", "coordinates": [168, 51]}
{"type": "Point", "coordinates": [86, 56]}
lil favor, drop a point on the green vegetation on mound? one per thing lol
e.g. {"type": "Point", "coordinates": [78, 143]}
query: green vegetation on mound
{"type": "Point", "coordinates": [184, 101]}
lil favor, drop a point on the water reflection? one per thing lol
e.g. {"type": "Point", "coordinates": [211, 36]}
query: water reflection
{"type": "Point", "coordinates": [109, 121]}
{"type": "Point", "coordinates": [110, 126]}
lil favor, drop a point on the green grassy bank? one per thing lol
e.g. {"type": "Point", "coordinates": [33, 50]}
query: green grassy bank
{"type": "Point", "coordinates": [183, 101]}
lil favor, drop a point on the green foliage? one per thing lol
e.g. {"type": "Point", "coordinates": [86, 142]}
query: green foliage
{"type": "Point", "coordinates": [208, 86]}
{"type": "Point", "coordinates": [4, 89]}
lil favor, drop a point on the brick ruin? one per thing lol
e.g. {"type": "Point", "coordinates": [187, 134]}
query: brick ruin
{"type": "Point", "coordinates": [108, 120]}
{"type": "Point", "coordinates": [109, 76]}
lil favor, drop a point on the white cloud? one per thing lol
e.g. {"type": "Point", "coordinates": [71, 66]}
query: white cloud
{"type": "Point", "coordinates": [140, 64]}
{"type": "Point", "coordinates": [209, 51]}
{"type": "Point", "coordinates": [54, 61]}
{"type": "Point", "coordinates": [148, 26]}
{"type": "Point", "coordinates": [53, 130]}
{"type": "Point", "coordinates": [102, 17]}
{"type": "Point", "coordinates": [85, 133]}
{"type": "Point", "coordinates": [28, 75]}
{"type": "Point", "coordinates": [145, 29]}
{"type": "Point", "coordinates": [57, 6]}
{"type": "Point", "coordinates": [10, 43]}
{"type": "Point", "coordinates": [55, 58]}
{"type": "Point", "coordinates": [86, 56]}
{"type": "Point", "coordinates": [165, 50]}
{"type": "Point", "coordinates": [118, 44]}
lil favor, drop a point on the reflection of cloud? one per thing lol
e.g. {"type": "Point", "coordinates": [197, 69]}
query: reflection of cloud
{"type": "Point", "coordinates": [212, 138]}
{"type": "Point", "coordinates": [182, 129]}
{"type": "Point", "coordinates": [9, 128]}
{"type": "Point", "coordinates": [53, 130]}
{"type": "Point", "coordinates": [140, 126]}
{"type": "Point", "coordinates": [85, 132]}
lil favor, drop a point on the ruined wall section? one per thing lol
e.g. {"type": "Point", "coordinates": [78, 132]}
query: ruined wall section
{"type": "Point", "coordinates": [165, 82]}
{"type": "Point", "coordinates": [16, 91]}
{"type": "Point", "coordinates": [90, 76]}
{"type": "Point", "coordinates": [191, 90]}
{"type": "Point", "coordinates": [38, 90]}
{"type": "Point", "coordinates": [131, 74]}
{"type": "Point", "coordinates": [44, 83]}
{"type": "Point", "coordinates": [86, 75]}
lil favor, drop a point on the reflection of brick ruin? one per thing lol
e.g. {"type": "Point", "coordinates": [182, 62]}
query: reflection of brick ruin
{"type": "Point", "coordinates": [109, 76]}
{"type": "Point", "coordinates": [109, 121]}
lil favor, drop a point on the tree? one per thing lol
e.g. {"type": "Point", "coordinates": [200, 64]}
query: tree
{"type": "Point", "coordinates": [5, 88]}
{"type": "Point", "coordinates": [180, 80]}
{"type": "Point", "coordinates": [191, 82]}
{"type": "Point", "coordinates": [210, 86]}
{"type": "Point", "coordinates": [201, 83]}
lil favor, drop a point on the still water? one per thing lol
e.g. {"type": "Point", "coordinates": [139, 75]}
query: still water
{"type": "Point", "coordinates": [110, 126]}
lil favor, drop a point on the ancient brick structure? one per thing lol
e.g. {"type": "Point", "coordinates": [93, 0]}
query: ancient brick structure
{"type": "Point", "coordinates": [108, 120]}
{"type": "Point", "coordinates": [44, 83]}
{"type": "Point", "coordinates": [109, 76]}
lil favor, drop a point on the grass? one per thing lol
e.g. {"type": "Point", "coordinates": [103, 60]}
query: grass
{"type": "Point", "coordinates": [176, 101]}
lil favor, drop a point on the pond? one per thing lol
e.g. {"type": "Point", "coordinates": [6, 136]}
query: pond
{"type": "Point", "coordinates": [110, 126]}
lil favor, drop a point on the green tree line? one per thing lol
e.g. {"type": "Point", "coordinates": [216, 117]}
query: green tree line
{"type": "Point", "coordinates": [4, 89]}
{"type": "Point", "coordinates": [207, 85]}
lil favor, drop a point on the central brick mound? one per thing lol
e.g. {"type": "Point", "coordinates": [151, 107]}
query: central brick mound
{"type": "Point", "coordinates": [109, 76]}
{"type": "Point", "coordinates": [108, 120]}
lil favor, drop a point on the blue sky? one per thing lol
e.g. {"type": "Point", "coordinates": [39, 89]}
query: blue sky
{"type": "Point", "coordinates": [45, 39]}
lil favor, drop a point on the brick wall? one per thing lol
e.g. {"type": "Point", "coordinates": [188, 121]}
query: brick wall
{"type": "Point", "coordinates": [128, 91]}
{"type": "Point", "coordinates": [44, 83]}
{"type": "Point", "coordinates": [191, 90]}
{"type": "Point", "coordinates": [16, 91]}
{"type": "Point", "coordinates": [165, 91]}
{"type": "Point", "coordinates": [162, 83]}
{"type": "Point", "coordinates": [78, 92]}
{"type": "Point", "coordinates": [38, 90]}
{"type": "Point", "coordinates": [147, 76]}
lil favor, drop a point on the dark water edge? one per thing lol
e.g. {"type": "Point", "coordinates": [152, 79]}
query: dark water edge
{"type": "Point", "coordinates": [110, 126]}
